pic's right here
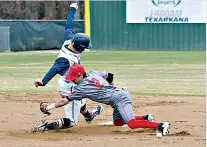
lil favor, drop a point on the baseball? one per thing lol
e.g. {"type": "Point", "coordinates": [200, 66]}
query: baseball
{"type": "Point", "coordinates": [159, 135]}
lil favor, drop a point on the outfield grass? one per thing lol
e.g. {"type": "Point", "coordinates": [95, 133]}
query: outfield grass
{"type": "Point", "coordinates": [143, 72]}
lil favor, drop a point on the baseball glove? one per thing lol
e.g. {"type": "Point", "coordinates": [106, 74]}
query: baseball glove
{"type": "Point", "coordinates": [43, 106]}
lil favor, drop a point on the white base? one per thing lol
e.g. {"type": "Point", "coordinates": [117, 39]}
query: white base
{"type": "Point", "coordinates": [109, 123]}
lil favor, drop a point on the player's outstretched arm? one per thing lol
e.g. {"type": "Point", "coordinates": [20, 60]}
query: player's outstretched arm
{"type": "Point", "coordinates": [60, 66]}
{"type": "Point", "coordinates": [63, 102]}
{"type": "Point", "coordinates": [69, 26]}
{"type": "Point", "coordinates": [77, 94]}
{"type": "Point", "coordinates": [45, 108]}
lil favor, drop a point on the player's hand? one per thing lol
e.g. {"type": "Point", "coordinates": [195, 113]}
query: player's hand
{"type": "Point", "coordinates": [38, 83]}
{"type": "Point", "coordinates": [43, 108]}
{"type": "Point", "coordinates": [74, 5]}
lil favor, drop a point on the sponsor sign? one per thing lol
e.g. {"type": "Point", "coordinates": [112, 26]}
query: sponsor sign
{"type": "Point", "coordinates": [166, 11]}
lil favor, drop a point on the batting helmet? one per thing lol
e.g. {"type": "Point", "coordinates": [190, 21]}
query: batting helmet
{"type": "Point", "coordinates": [80, 41]}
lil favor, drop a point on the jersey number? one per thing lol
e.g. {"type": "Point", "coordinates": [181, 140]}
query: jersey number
{"type": "Point", "coordinates": [96, 83]}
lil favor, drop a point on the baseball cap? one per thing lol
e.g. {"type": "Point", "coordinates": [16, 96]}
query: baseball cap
{"type": "Point", "coordinates": [74, 72]}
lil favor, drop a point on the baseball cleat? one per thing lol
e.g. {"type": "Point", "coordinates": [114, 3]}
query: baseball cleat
{"type": "Point", "coordinates": [94, 113]}
{"type": "Point", "coordinates": [149, 117]}
{"type": "Point", "coordinates": [163, 128]}
{"type": "Point", "coordinates": [39, 128]}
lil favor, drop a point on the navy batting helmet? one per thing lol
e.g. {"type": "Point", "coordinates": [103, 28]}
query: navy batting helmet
{"type": "Point", "coordinates": [80, 41]}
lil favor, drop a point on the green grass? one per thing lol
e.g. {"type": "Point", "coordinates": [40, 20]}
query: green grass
{"type": "Point", "coordinates": [143, 72]}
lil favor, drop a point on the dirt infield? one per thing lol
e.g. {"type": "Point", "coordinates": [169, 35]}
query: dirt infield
{"type": "Point", "coordinates": [19, 112]}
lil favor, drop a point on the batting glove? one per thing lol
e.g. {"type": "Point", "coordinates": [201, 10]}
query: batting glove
{"type": "Point", "coordinates": [74, 5]}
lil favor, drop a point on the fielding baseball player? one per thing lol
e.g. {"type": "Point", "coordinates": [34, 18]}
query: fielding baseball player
{"type": "Point", "coordinates": [94, 86]}
{"type": "Point", "coordinates": [69, 54]}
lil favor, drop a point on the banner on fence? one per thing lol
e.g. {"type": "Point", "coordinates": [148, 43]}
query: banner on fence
{"type": "Point", "coordinates": [166, 11]}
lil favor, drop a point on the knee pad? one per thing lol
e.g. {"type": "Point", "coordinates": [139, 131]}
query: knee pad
{"type": "Point", "coordinates": [119, 122]}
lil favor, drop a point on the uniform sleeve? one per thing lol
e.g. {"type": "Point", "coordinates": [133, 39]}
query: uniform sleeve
{"type": "Point", "coordinates": [103, 74]}
{"type": "Point", "coordinates": [60, 66]}
{"type": "Point", "coordinates": [108, 76]}
{"type": "Point", "coordinates": [69, 26]}
{"type": "Point", "coordinates": [77, 94]}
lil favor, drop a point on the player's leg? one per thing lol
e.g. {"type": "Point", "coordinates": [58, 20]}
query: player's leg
{"type": "Point", "coordinates": [69, 26]}
{"type": "Point", "coordinates": [72, 110]}
{"type": "Point", "coordinates": [118, 120]}
{"type": "Point", "coordinates": [127, 114]}
{"type": "Point", "coordinates": [58, 124]}
{"type": "Point", "coordinates": [124, 107]}
{"type": "Point", "coordinates": [84, 111]}
{"type": "Point", "coordinates": [89, 116]}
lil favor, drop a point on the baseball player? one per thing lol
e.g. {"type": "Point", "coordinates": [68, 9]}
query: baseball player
{"type": "Point", "coordinates": [69, 54]}
{"type": "Point", "coordinates": [94, 86]}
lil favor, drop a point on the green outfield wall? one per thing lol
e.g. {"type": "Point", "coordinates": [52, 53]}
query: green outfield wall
{"type": "Point", "coordinates": [109, 30]}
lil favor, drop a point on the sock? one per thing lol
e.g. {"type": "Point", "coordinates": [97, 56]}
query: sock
{"type": "Point", "coordinates": [142, 124]}
{"type": "Point", "coordinates": [139, 117]}
{"type": "Point", "coordinates": [60, 123]}
{"type": "Point", "coordinates": [85, 112]}
{"type": "Point", "coordinates": [83, 108]}
{"type": "Point", "coordinates": [119, 122]}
